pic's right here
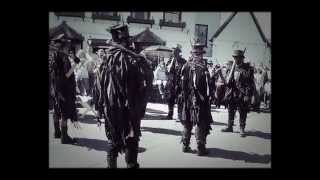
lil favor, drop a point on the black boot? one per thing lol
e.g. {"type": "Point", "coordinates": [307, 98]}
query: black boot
{"type": "Point", "coordinates": [228, 129]}
{"type": "Point", "coordinates": [65, 138]}
{"type": "Point", "coordinates": [230, 125]}
{"type": "Point", "coordinates": [170, 114]}
{"type": "Point", "coordinates": [202, 149]}
{"type": "Point", "coordinates": [186, 148]}
{"type": "Point", "coordinates": [131, 153]}
{"type": "Point", "coordinates": [111, 161]}
{"type": "Point", "coordinates": [57, 131]}
{"type": "Point", "coordinates": [133, 165]}
{"type": "Point", "coordinates": [242, 132]}
{"type": "Point", "coordinates": [131, 158]}
{"type": "Point", "coordinates": [185, 139]}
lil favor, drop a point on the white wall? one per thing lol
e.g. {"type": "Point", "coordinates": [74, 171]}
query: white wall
{"type": "Point", "coordinates": [241, 29]}
{"type": "Point", "coordinates": [212, 19]}
{"type": "Point", "coordinates": [98, 29]}
{"type": "Point", "coordinates": [264, 19]}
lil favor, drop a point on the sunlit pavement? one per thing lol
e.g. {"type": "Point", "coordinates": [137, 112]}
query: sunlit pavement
{"type": "Point", "coordinates": [160, 145]}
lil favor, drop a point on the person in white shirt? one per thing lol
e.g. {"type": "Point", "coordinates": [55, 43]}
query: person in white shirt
{"type": "Point", "coordinates": [81, 73]}
{"type": "Point", "coordinates": [160, 76]}
{"type": "Point", "coordinates": [267, 93]}
{"type": "Point", "coordinates": [90, 65]}
{"type": "Point", "coordinates": [259, 82]}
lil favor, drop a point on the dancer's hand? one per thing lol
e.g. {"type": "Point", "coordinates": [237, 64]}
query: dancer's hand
{"type": "Point", "coordinates": [76, 124]}
{"type": "Point", "coordinates": [99, 122]}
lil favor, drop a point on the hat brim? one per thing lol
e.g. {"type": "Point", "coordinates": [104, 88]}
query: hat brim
{"type": "Point", "coordinates": [62, 40]}
{"type": "Point", "coordinates": [238, 56]}
{"type": "Point", "coordinates": [202, 52]}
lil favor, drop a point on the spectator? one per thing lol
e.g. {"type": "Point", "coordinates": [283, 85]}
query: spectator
{"type": "Point", "coordinates": [267, 94]}
{"type": "Point", "coordinates": [81, 73]}
{"type": "Point", "coordinates": [259, 82]}
{"type": "Point", "coordinates": [161, 78]}
{"type": "Point", "coordinates": [220, 85]}
{"type": "Point", "coordinates": [92, 60]}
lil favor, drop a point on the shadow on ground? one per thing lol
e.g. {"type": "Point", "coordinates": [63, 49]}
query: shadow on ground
{"type": "Point", "coordinates": [162, 131]}
{"type": "Point", "coordinates": [265, 110]}
{"type": "Point", "coordinates": [95, 144]}
{"type": "Point", "coordinates": [259, 134]}
{"type": "Point", "coordinates": [219, 123]}
{"type": "Point", "coordinates": [262, 110]}
{"type": "Point", "coordinates": [155, 117]}
{"type": "Point", "coordinates": [98, 144]}
{"type": "Point", "coordinates": [155, 111]}
{"type": "Point", "coordinates": [238, 156]}
{"type": "Point", "coordinates": [256, 133]}
{"type": "Point", "coordinates": [88, 119]}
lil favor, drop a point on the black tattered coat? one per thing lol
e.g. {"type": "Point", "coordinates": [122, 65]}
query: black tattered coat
{"type": "Point", "coordinates": [196, 106]}
{"type": "Point", "coordinates": [124, 83]}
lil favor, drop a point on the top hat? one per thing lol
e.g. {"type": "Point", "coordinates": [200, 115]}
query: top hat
{"type": "Point", "coordinates": [238, 53]}
{"type": "Point", "coordinates": [198, 48]}
{"type": "Point", "coordinates": [119, 31]}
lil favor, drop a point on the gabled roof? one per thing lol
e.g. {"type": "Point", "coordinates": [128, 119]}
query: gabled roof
{"type": "Point", "coordinates": [224, 25]}
{"type": "Point", "coordinates": [68, 32]}
{"type": "Point", "coordinates": [148, 36]}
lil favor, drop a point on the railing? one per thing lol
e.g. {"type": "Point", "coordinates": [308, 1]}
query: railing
{"type": "Point", "coordinates": [70, 14]}
{"type": "Point", "coordinates": [131, 19]}
{"type": "Point", "coordinates": [172, 24]}
{"type": "Point", "coordinates": [106, 17]}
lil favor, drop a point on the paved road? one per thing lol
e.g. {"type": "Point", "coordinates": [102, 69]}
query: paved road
{"type": "Point", "coordinates": [160, 143]}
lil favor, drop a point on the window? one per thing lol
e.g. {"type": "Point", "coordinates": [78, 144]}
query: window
{"type": "Point", "coordinates": [140, 15]}
{"type": "Point", "coordinates": [70, 14]}
{"type": "Point", "coordinates": [201, 33]}
{"type": "Point", "coordinates": [106, 13]}
{"type": "Point", "coordinates": [172, 17]}
{"type": "Point", "coordinates": [111, 15]}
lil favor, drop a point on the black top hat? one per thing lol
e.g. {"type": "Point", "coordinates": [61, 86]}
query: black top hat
{"type": "Point", "coordinates": [119, 31]}
{"type": "Point", "coordinates": [198, 47]}
{"type": "Point", "coordinates": [238, 53]}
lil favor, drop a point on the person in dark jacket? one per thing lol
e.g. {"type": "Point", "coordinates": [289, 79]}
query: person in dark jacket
{"type": "Point", "coordinates": [64, 86]}
{"type": "Point", "coordinates": [124, 81]}
{"type": "Point", "coordinates": [196, 106]}
{"type": "Point", "coordinates": [240, 88]}
{"type": "Point", "coordinates": [173, 85]}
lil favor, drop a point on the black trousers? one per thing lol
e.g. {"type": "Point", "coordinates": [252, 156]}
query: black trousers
{"type": "Point", "coordinates": [131, 150]}
{"type": "Point", "coordinates": [92, 78]}
{"type": "Point", "coordinates": [243, 110]}
{"type": "Point", "coordinates": [56, 115]}
{"type": "Point", "coordinates": [180, 106]}
{"type": "Point", "coordinates": [171, 102]}
{"type": "Point", "coordinates": [200, 133]}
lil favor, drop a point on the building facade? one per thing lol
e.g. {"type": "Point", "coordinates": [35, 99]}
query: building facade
{"type": "Point", "coordinates": [179, 28]}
